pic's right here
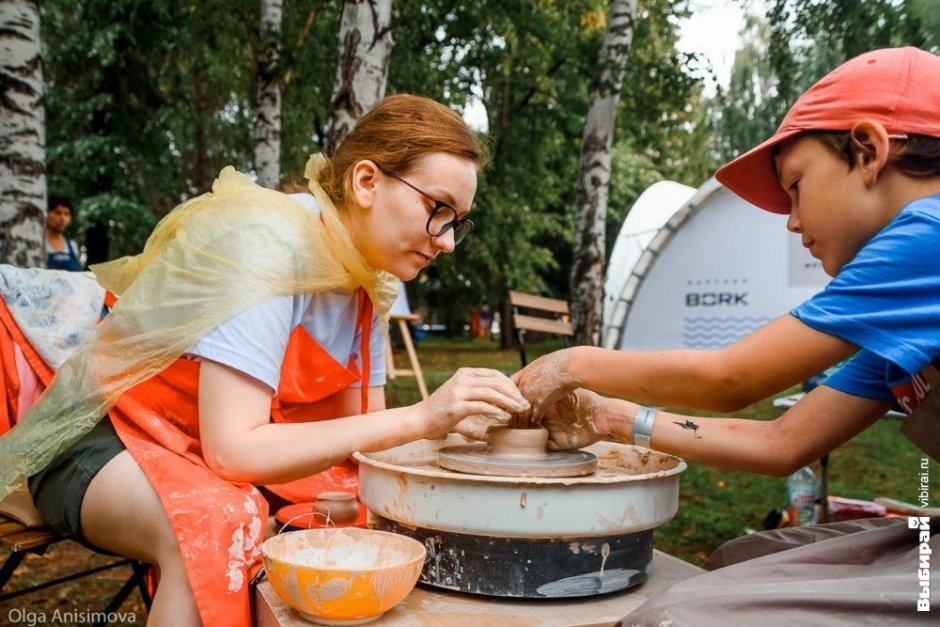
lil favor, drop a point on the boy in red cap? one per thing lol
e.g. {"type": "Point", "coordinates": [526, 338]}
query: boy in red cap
{"type": "Point", "coordinates": [856, 165]}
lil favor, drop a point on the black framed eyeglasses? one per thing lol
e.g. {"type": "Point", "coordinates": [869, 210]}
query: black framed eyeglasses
{"type": "Point", "coordinates": [443, 217]}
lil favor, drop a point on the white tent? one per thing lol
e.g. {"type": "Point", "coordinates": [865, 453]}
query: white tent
{"type": "Point", "coordinates": [701, 269]}
{"type": "Point", "coordinates": [400, 307]}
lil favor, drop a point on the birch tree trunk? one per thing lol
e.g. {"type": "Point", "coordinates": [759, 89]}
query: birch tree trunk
{"type": "Point", "coordinates": [365, 45]}
{"type": "Point", "coordinates": [587, 271]}
{"type": "Point", "coordinates": [268, 120]}
{"type": "Point", "coordinates": [22, 136]}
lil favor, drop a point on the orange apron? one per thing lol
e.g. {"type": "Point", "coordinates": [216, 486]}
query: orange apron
{"type": "Point", "coordinates": [219, 524]}
{"type": "Point", "coordinates": [11, 340]}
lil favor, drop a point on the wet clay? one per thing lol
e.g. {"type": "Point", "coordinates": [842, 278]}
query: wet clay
{"type": "Point", "coordinates": [517, 443]}
{"type": "Point", "coordinates": [516, 453]}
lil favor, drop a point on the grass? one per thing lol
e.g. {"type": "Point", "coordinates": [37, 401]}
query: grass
{"type": "Point", "coordinates": [714, 505]}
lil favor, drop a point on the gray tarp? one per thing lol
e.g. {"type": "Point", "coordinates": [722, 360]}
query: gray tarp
{"type": "Point", "coordinates": [860, 572]}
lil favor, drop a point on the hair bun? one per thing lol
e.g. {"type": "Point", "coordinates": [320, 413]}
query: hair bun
{"type": "Point", "coordinates": [314, 167]}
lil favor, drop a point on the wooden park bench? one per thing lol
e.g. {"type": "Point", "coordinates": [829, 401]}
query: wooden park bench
{"type": "Point", "coordinates": [539, 314]}
{"type": "Point", "coordinates": [22, 529]}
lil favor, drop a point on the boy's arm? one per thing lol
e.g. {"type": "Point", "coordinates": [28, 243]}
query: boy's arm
{"type": "Point", "coordinates": [766, 362]}
{"type": "Point", "coordinates": [823, 420]}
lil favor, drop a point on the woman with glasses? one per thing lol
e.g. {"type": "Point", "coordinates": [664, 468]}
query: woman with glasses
{"type": "Point", "coordinates": [245, 350]}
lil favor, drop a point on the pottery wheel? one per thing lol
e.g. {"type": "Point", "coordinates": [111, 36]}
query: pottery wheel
{"type": "Point", "coordinates": [474, 459]}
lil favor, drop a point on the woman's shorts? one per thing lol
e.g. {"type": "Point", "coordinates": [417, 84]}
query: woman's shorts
{"type": "Point", "coordinates": [59, 489]}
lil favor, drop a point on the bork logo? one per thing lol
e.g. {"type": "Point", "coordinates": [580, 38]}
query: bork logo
{"type": "Point", "coordinates": [716, 299]}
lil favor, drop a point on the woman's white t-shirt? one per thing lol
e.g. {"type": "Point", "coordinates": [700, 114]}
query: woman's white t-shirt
{"type": "Point", "coordinates": [255, 340]}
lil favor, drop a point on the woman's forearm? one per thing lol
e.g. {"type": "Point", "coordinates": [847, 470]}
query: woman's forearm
{"type": "Point", "coordinates": [240, 443]}
{"type": "Point", "coordinates": [281, 452]}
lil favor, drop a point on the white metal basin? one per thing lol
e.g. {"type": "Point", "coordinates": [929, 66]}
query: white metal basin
{"type": "Point", "coordinates": [634, 489]}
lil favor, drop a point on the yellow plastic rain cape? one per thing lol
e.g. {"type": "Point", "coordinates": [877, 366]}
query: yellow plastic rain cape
{"type": "Point", "coordinates": [210, 258]}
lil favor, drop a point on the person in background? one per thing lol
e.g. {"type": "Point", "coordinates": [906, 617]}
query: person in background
{"type": "Point", "coordinates": [486, 320]}
{"type": "Point", "coordinates": [245, 356]}
{"type": "Point", "coordinates": [61, 253]}
{"type": "Point", "coordinates": [856, 166]}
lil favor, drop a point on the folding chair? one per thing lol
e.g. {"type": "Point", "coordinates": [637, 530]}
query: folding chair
{"type": "Point", "coordinates": [22, 531]}
{"type": "Point", "coordinates": [22, 368]}
{"type": "Point", "coordinates": [544, 315]}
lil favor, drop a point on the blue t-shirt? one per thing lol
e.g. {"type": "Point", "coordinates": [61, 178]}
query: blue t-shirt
{"type": "Point", "coordinates": [887, 301]}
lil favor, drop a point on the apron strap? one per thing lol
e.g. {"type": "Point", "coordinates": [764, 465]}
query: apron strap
{"type": "Point", "coordinates": [364, 323]}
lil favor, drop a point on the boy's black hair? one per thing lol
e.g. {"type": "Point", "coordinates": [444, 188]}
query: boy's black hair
{"type": "Point", "coordinates": [56, 200]}
{"type": "Point", "coordinates": [918, 156]}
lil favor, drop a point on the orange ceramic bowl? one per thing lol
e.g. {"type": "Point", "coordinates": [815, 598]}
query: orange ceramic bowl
{"type": "Point", "coordinates": [342, 576]}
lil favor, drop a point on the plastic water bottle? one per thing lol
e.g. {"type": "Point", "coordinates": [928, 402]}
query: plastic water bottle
{"type": "Point", "coordinates": [802, 492]}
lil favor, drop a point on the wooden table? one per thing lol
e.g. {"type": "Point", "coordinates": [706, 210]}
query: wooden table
{"type": "Point", "coordinates": [434, 607]}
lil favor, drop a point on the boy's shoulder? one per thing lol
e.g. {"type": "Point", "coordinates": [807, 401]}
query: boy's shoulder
{"type": "Point", "coordinates": [928, 206]}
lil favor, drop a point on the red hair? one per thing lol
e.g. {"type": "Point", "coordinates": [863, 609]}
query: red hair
{"type": "Point", "coordinates": [395, 133]}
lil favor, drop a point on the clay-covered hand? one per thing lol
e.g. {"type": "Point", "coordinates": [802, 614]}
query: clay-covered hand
{"type": "Point", "coordinates": [476, 427]}
{"type": "Point", "coordinates": [543, 382]}
{"type": "Point", "coordinates": [483, 395]}
{"type": "Point", "coordinates": [576, 420]}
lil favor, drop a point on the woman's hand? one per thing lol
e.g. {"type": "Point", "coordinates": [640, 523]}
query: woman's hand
{"type": "Point", "coordinates": [543, 382]}
{"type": "Point", "coordinates": [476, 427]}
{"type": "Point", "coordinates": [480, 397]}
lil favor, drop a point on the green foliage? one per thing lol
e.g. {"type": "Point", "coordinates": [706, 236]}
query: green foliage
{"type": "Point", "coordinates": [663, 127]}
{"type": "Point", "coordinates": [139, 102]}
{"type": "Point", "coordinates": [662, 114]}
{"type": "Point", "coordinates": [848, 28]}
{"type": "Point", "coordinates": [526, 61]}
{"type": "Point", "coordinates": [128, 223]}
{"type": "Point", "coordinates": [799, 42]}
{"type": "Point", "coordinates": [924, 14]}
{"type": "Point", "coordinates": [530, 64]}
{"type": "Point", "coordinates": [308, 65]}
{"type": "Point", "coordinates": [147, 101]}
{"type": "Point", "coordinates": [748, 111]}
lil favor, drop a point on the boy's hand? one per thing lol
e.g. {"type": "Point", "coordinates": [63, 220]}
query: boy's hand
{"type": "Point", "coordinates": [543, 382]}
{"type": "Point", "coordinates": [575, 420]}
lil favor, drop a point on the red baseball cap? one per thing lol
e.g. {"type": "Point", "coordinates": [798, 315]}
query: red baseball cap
{"type": "Point", "coordinates": [898, 87]}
